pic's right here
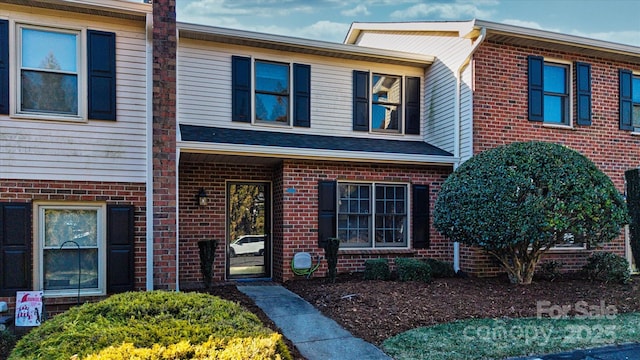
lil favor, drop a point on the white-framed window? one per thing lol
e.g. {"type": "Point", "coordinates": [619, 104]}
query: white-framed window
{"type": "Point", "coordinates": [570, 242]}
{"type": "Point", "coordinates": [49, 72]}
{"type": "Point", "coordinates": [372, 215]}
{"type": "Point", "coordinates": [635, 96]}
{"type": "Point", "coordinates": [272, 92]}
{"type": "Point", "coordinates": [556, 93]}
{"type": "Point", "coordinates": [386, 103]}
{"type": "Point", "coordinates": [70, 249]}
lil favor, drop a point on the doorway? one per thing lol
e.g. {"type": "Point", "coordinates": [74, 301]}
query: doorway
{"type": "Point", "coordinates": [248, 242]}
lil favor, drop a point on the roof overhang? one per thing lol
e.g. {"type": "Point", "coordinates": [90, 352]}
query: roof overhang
{"type": "Point", "coordinates": [123, 9]}
{"type": "Point", "coordinates": [303, 46]}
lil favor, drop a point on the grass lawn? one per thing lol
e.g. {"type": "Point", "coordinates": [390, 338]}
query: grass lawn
{"type": "Point", "coordinates": [507, 337]}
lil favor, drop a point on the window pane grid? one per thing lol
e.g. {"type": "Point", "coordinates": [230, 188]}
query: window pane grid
{"type": "Point", "coordinates": [556, 93]}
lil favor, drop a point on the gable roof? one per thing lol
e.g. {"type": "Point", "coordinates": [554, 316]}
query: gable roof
{"type": "Point", "coordinates": [509, 34]}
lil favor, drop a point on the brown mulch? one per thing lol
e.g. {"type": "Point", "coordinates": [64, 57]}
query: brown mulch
{"type": "Point", "coordinates": [376, 310]}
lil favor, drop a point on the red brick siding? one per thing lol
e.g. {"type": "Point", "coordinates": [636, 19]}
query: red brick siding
{"type": "Point", "coordinates": [104, 192]}
{"type": "Point", "coordinates": [294, 212]}
{"type": "Point", "coordinates": [501, 117]}
{"type": "Point", "coordinates": [164, 144]}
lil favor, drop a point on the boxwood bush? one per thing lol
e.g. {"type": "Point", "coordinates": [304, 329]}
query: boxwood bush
{"type": "Point", "coordinates": [441, 269]}
{"type": "Point", "coordinates": [607, 267]}
{"type": "Point", "coordinates": [190, 324]}
{"type": "Point", "coordinates": [376, 269]}
{"type": "Point", "coordinates": [410, 269]}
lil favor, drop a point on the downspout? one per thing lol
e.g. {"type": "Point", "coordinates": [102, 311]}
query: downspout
{"type": "Point", "coordinates": [149, 187]}
{"type": "Point", "coordinates": [458, 122]}
{"type": "Point", "coordinates": [178, 136]}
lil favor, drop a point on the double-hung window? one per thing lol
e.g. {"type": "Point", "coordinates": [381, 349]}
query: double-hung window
{"type": "Point", "coordinates": [386, 103]}
{"type": "Point", "coordinates": [556, 93]}
{"type": "Point", "coordinates": [49, 65]}
{"type": "Point", "coordinates": [372, 215]}
{"type": "Point", "coordinates": [270, 92]}
{"type": "Point", "coordinates": [71, 249]}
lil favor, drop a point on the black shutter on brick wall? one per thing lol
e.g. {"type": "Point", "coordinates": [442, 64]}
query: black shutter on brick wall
{"type": "Point", "coordinates": [412, 108]}
{"type": "Point", "coordinates": [4, 67]}
{"type": "Point", "coordinates": [302, 95]}
{"type": "Point", "coordinates": [15, 248]}
{"type": "Point", "coordinates": [583, 86]}
{"type": "Point", "coordinates": [101, 69]}
{"type": "Point", "coordinates": [420, 215]}
{"type": "Point", "coordinates": [326, 211]}
{"type": "Point", "coordinates": [536, 88]}
{"type": "Point", "coordinates": [240, 89]}
{"type": "Point", "coordinates": [120, 248]}
{"type": "Point", "coordinates": [626, 99]}
{"type": "Point", "coordinates": [360, 101]}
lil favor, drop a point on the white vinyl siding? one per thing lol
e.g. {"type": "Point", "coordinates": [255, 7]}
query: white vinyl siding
{"type": "Point", "coordinates": [440, 80]}
{"type": "Point", "coordinates": [93, 150]}
{"type": "Point", "coordinates": [204, 88]}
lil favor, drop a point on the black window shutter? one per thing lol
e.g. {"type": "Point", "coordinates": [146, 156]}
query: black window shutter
{"type": "Point", "coordinates": [412, 106]}
{"type": "Point", "coordinates": [420, 214]}
{"type": "Point", "coordinates": [120, 248]}
{"type": "Point", "coordinates": [4, 67]}
{"type": "Point", "coordinates": [361, 101]}
{"type": "Point", "coordinates": [326, 211]}
{"type": "Point", "coordinates": [101, 69]}
{"type": "Point", "coordinates": [536, 88]}
{"type": "Point", "coordinates": [241, 89]}
{"type": "Point", "coordinates": [15, 248]}
{"type": "Point", "coordinates": [583, 86]}
{"type": "Point", "coordinates": [302, 97]}
{"type": "Point", "coordinates": [626, 99]}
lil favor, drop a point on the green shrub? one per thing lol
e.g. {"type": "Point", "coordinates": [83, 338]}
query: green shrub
{"type": "Point", "coordinates": [376, 269]}
{"type": "Point", "coordinates": [549, 270]}
{"type": "Point", "coordinates": [145, 319]}
{"type": "Point", "coordinates": [441, 269]}
{"type": "Point", "coordinates": [7, 342]}
{"type": "Point", "coordinates": [607, 267]}
{"type": "Point", "coordinates": [410, 269]}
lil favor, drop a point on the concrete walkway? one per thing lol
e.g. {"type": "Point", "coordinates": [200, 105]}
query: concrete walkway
{"type": "Point", "coordinates": [316, 336]}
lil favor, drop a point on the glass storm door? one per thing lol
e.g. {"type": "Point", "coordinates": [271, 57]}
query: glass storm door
{"type": "Point", "coordinates": [248, 230]}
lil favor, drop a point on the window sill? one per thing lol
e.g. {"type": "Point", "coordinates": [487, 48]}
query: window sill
{"type": "Point", "coordinates": [635, 133]}
{"type": "Point", "coordinates": [561, 250]}
{"type": "Point", "coordinates": [72, 294]}
{"type": "Point", "coordinates": [559, 126]}
{"type": "Point", "coordinates": [38, 117]}
{"type": "Point", "coordinates": [369, 251]}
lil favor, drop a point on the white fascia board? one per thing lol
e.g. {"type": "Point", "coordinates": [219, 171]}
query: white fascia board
{"type": "Point", "coordinates": [325, 47]}
{"type": "Point", "coordinates": [461, 27]}
{"type": "Point", "coordinates": [523, 32]}
{"type": "Point", "coordinates": [313, 154]}
{"type": "Point", "coordinates": [121, 6]}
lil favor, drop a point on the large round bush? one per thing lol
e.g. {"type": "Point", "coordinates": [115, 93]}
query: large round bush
{"type": "Point", "coordinates": [516, 201]}
{"type": "Point", "coordinates": [150, 320]}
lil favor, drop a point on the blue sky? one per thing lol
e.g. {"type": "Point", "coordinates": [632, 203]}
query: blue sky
{"type": "Point", "coordinates": [329, 20]}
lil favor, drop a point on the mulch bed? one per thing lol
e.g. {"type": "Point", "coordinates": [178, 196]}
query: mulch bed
{"type": "Point", "coordinates": [376, 310]}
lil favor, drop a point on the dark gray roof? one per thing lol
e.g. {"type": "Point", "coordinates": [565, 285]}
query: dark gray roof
{"type": "Point", "coordinates": [270, 138]}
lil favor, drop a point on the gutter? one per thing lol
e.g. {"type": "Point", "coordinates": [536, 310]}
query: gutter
{"type": "Point", "coordinates": [458, 121]}
{"type": "Point", "coordinates": [149, 139]}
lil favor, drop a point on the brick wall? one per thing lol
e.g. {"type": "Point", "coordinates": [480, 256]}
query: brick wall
{"type": "Point", "coordinates": [501, 117]}
{"type": "Point", "coordinates": [295, 210]}
{"type": "Point", "coordinates": [164, 144]}
{"type": "Point", "coordinates": [107, 192]}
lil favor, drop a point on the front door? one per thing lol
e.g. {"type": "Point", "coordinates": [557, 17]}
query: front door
{"type": "Point", "coordinates": [248, 230]}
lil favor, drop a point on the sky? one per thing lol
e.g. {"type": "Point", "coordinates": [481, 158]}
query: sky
{"type": "Point", "coordinates": [329, 20]}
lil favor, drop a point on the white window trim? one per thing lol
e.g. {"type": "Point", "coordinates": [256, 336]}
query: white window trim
{"type": "Point", "coordinates": [403, 104]}
{"type": "Point", "coordinates": [634, 74]}
{"type": "Point", "coordinates": [289, 125]}
{"type": "Point", "coordinates": [372, 213]}
{"type": "Point", "coordinates": [15, 54]}
{"type": "Point", "coordinates": [38, 246]}
{"type": "Point", "coordinates": [570, 83]}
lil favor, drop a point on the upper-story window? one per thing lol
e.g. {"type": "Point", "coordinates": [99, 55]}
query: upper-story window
{"type": "Point", "coordinates": [550, 92]}
{"type": "Point", "coordinates": [49, 74]}
{"type": "Point", "coordinates": [268, 92]}
{"type": "Point", "coordinates": [386, 103]}
{"type": "Point", "coordinates": [382, 104]}
{"type": "Point", "coordinates": [272, 92]}
{"type": "Point", "coordinates": [629, 100]}
{"type": "Point", "coordinates": [58, 73]}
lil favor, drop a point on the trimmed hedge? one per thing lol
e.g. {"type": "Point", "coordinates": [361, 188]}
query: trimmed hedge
{"type": "Point", "coordinates": [148, 319]}
{"type": "Point", "coordinates": [376, 269]}
{"type": "Point", "coordinates": [607, 267]}
{"type": "Point", "coordinates": [410, 269]}
{"type": "Point", "coordinates": [441, 269]}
